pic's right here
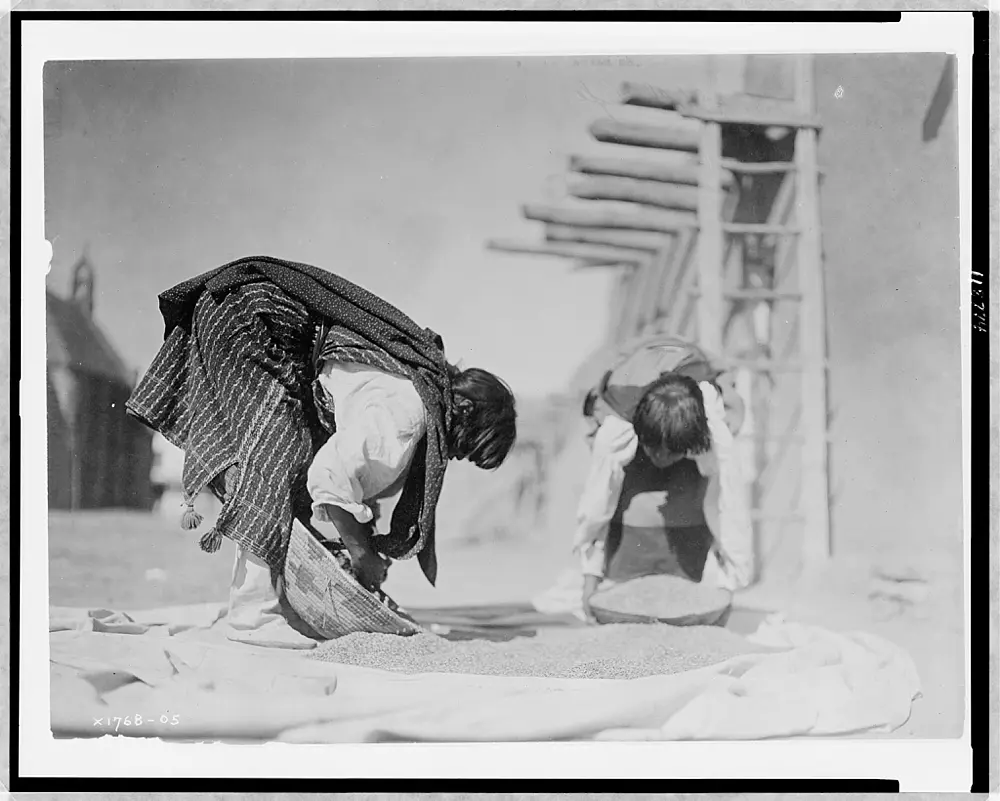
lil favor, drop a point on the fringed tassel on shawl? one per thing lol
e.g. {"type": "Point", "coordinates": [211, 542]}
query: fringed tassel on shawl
{"type": "Point", "coordinates": [190, 520]}
{"type": "Point", "coordinates": [212, 541]}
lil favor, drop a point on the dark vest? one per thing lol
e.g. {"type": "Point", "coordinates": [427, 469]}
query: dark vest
{"type": "Point", "coordinates": [659, 525]}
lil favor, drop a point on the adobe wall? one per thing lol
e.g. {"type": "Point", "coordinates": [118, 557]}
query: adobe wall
{"type": "Point", "coordinates": [890, 233]}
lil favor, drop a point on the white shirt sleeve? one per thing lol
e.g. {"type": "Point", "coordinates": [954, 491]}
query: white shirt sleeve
{"type": "Point", "coordinates": [613, 448]}
{"type": "Point", "coordinates": [378, 430]}
{"type": "Point", "coordinates": [727, 508]}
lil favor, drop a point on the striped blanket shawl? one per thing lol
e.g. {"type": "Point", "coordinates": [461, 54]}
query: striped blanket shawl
{"type": "Point", "coordinates": [234, 386]}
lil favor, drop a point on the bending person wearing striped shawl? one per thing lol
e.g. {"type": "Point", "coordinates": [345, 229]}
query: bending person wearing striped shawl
{"type": "Point", "coordinates": [296, 394]}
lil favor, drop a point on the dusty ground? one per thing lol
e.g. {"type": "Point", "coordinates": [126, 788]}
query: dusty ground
{"type": "Point", "coordinates": [105, 559]}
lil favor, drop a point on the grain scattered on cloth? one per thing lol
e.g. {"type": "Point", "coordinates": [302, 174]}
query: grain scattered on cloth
{"type": "Point", "coordinates": [625, 651]}
{"type": "Point", "coordinates": [809, 682]}
{"type": "Point", "coordinates": [661, 596]}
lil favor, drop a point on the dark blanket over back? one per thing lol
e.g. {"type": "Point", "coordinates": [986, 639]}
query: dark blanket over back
{"type": "Point", "coordinates": [232, 386]}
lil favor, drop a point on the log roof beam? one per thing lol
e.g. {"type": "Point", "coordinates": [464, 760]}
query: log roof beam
{"type": "Point", "coordinates": [649, 241]}
{"type": "Point", "coordinates": [680, 134]}
{"type": "Point", "coordinates": [681, 171]}
{"type": "Point", "coordinates": [589, 253]}
{"type": "Point", "coordinates": [665, 222]}
{"type": "Point", "coordinates": [631, 190]}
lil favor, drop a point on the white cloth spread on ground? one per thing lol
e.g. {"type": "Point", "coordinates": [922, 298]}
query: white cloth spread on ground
{"type": "Point", "coordinates": [172, 668]}
{"type": "Point", "coordinates": [730, 565]}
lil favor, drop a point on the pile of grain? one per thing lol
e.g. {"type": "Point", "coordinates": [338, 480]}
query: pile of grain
{"type": "Point", "coordinates": [598, 652]}
{"type": "Point", "coordinates": [664, 597]}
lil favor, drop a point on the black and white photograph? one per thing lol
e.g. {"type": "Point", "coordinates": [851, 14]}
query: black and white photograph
{"type": "Point", "coordinates": [604, 397]}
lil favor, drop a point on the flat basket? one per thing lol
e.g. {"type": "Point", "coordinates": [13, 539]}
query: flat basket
{"type": "Point", "coordinates": [715, 612]}
{"type": "Point", "coordinates": [329, 599]}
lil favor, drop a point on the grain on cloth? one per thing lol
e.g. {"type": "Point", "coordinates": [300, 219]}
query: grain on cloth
{"type": "Point", "coordinates": [661, 596]}
{"type": "Point", "coordinates": [599, 652]}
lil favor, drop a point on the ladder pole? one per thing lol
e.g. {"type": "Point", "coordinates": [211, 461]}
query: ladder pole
{"type": "Point", "coordinates": [661, 263]}
{"type": "Point", "coordinates": [816, 546]}
{"type": "Point", "coordinates": [628, 302]}
{"type": "Point", "coordinates": [675, 294]}
{"type": "Point", "coordinates": [645, 277]}
{"type": "Point", "coordinates": [710, 306]}
{"type": "Point", "coordinates": [622, 284]}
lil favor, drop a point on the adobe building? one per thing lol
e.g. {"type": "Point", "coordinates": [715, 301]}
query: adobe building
{"type": "Point", "coordinates": [98, 456]}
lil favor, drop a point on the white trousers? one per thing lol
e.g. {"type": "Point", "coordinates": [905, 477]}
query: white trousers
{"type": "Point", "coordinates": [254, 608]}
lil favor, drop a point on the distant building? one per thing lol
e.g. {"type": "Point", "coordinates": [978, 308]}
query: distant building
{"type": "Point", "coordinates": [98, 457]}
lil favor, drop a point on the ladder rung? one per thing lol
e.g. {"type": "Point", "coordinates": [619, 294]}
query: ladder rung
{"type": "Point", "coordinates": [755, 294]}
{"type": "Point", "coordinates": [759, 167]}
{"type": "Point", "coordinates": [573, 250]}
{"type": "Point", "coordinates": [744, 116]}
{"type": "Point", "coordinates": [759, 228]}
{"type": "Point", "coordinates": [761, 294]}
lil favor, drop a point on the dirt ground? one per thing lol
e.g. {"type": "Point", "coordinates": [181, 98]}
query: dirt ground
{"type": "Point", "coordinates": [128, 560]}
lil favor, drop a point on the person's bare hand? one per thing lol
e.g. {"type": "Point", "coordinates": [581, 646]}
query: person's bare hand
{"type": "Point", "coordinates": [370, 569]}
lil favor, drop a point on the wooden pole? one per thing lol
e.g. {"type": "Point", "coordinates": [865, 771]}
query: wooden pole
{"type": "Point", "coordinates": [757, 294]}
{"type": "Point", "coordinates": [682, 302]}
{"type": "Point", "coordinates": [631, 190]}
{"type": "Point", "coordinates": [662, 266]}
{"type": "Point", "coordinates": [664, 222]}
{"type": "Point", "coordinates": [589, 253]}
{"type": "Point", "coordinates": [679, 134]}
{"type": "Point", "coordinates": [643, 277]}
{"type": "Point", "coordinates": [757, 383]}
{"type": "Point", "coordinates": [677, 171]}
{"type": "Point", "coordinates": [758, 167]}
{"type": "Point", "coordinates": [681, 270]}
{"type": "Point", "coordinates": [638, 240]}
{"type": "Point", "coordinates": [626, 282]}
{"type": "Point", "coordinates": [710, 302]}
{"type": "Point", "coordinates": [758, 228]}
{"type": "Point", "coordinates": [733, 109]}
{"type": "Point", "coordinates": [785, 247]}
{"type": "Point", "coordinates": [751, 116]}
{"type": "Point", "coordinates": [812, 332]}
{"type": "Point", "coordinates": [686, 326]}
{"type": "Point", "coordinates": [619, 298]}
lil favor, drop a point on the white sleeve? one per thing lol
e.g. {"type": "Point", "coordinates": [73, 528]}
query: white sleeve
{"type": "Point", "coordinates": [727, 507]}
{"type": "Point", "coordinates": [614, 447]}
{"type": "Point", "coordinates": [342, 471]}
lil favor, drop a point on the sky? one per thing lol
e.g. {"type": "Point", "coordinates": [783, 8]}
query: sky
{"type": "Point", "coordinates": [391, 172]}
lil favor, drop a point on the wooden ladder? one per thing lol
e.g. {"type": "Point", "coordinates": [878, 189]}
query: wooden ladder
{"type": "Point", "coordinates": [676, 237]}
{"type": "Point", "coordinates": [799, 244]}
{"type": "Point", "coordinates": [683, 290]}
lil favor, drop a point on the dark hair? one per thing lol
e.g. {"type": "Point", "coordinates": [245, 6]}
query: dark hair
{"type": "Point", "coordinates": [484, 425]}
{"type": "Point", "coordinates": [671, 415]}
